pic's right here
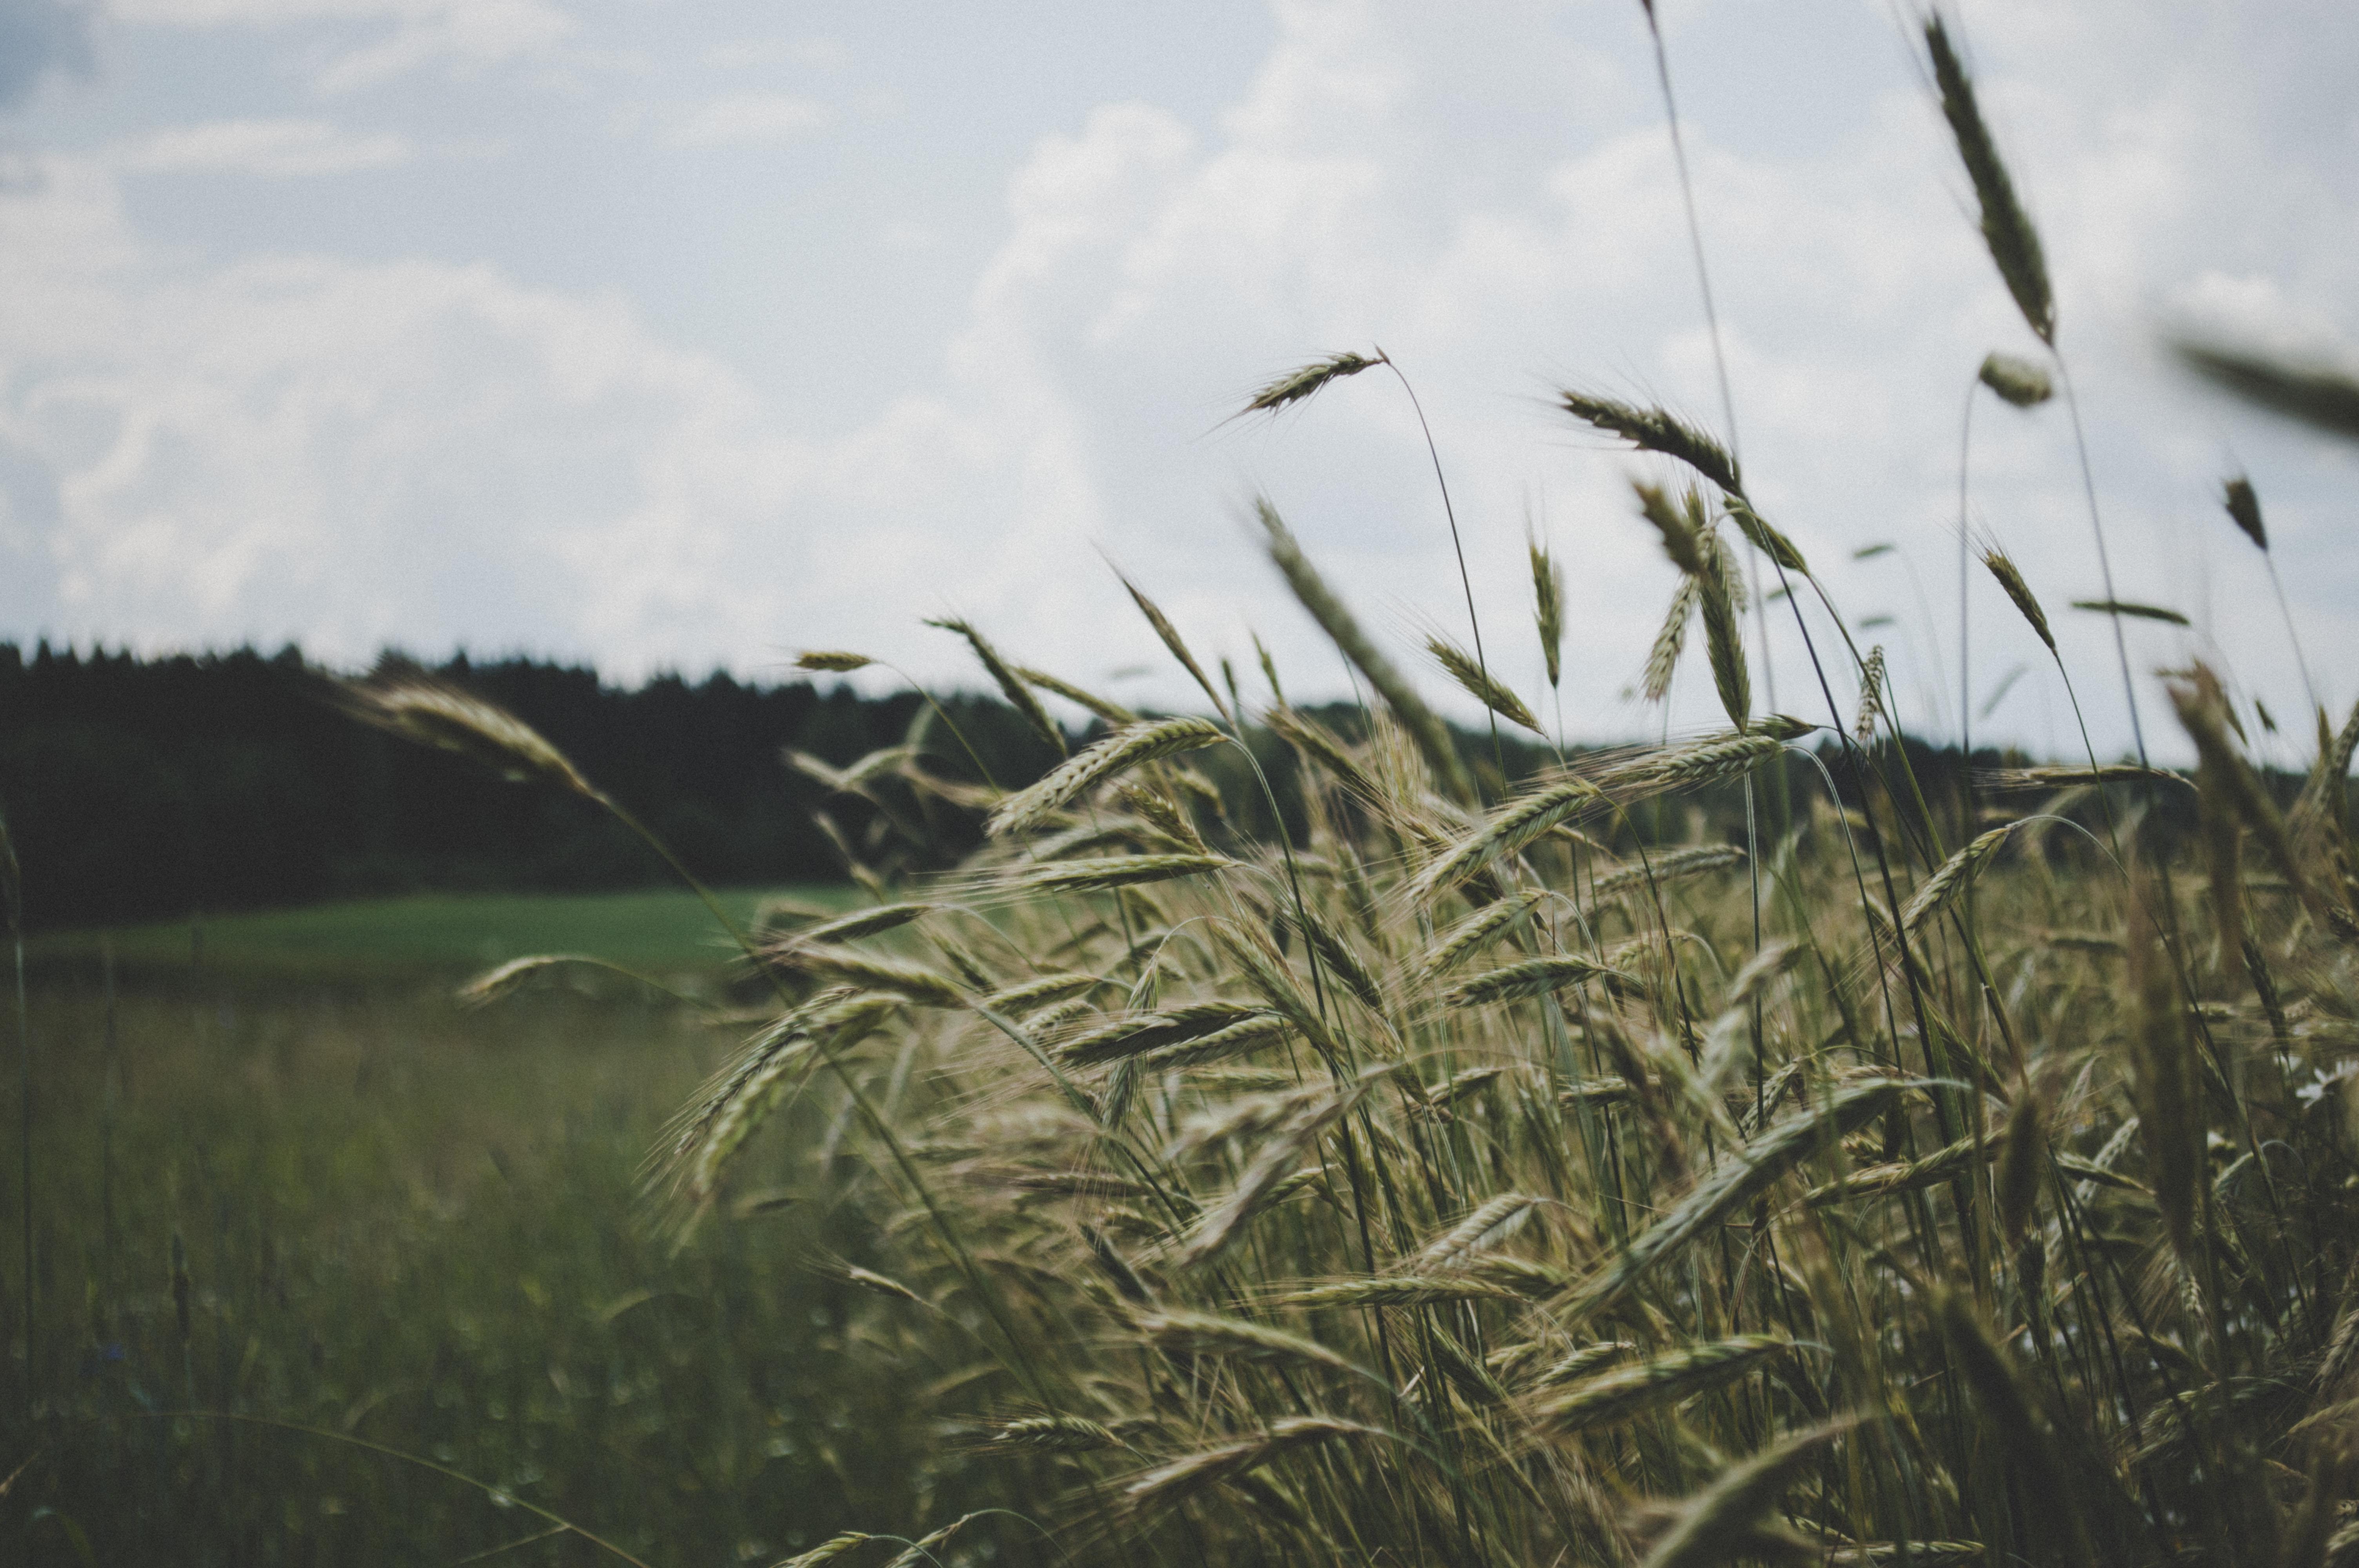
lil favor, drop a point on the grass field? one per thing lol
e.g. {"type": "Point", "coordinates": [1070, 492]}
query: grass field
{"type": "Point", "coordinates": [368, 1213]}
{"type": "Point", "coordinates": [431, 935]}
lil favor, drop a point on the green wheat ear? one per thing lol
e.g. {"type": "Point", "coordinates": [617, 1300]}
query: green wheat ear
{"type": "Point", "coordinates": [1296, 385]}
{"type": "Point", "coordinates": [1547, 609]}
{"type": "Point", "coordinates": [2007, 233]}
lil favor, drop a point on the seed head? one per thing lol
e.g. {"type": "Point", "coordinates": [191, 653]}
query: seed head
{"type": "Point", "coordinates": [1548, 613]}
{"type": "Point", "coordinates": [1297, 384]}
{"type": "Point", "coordinates": [2024, 383]}
{"type": "Point", "coordinates": [2010, 577]}
{"type": "Point", "coordinates": [2013, 243]}
{"type": "Point", "coordinates": [2244, 510]}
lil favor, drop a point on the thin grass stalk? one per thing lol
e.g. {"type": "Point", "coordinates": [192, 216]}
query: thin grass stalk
{"type": "Point", "coordinates": [500, 1494]}
{"type": "Point", "coordinates": [1457, 548]}
{"type": "Point", "coordinates": [1695, 230]}
{"type": "Point", "coordinates": [14, 894]}
{"type": "Point", "coordinates": [2104, 561]}
{"type": "Point", "coordinates": [2242, 504]}
{"type": "Point", "coordinates": [1965, 649]}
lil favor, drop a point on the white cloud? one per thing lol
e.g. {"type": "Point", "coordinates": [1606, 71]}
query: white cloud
{"type": "Point", "coordinates": [1148, 282]}
{"type": "Point", "coordinates": [431, 453]}
{"type": "Point", "coordinates": [419, 453]}
{"type": "Point", "coordinates": [402, 34]}
{"type": "Point", "coordinates": [747, 119]}
{"type": "Point", "coordinates": [265, 147]}
{"type": "Point", "coordinates": [818, 53]}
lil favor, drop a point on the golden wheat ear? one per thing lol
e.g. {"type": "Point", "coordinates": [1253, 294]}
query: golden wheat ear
{"type": "Point", "coordinates": [833, 660]}
{"type": "Point", "coordinates": [1478, 683]}
{"type": "Point", "coordinates": [406, 701]}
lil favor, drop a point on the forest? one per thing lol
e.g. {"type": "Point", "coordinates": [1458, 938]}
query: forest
{"type": "Point", "coordinates": [139, 789]}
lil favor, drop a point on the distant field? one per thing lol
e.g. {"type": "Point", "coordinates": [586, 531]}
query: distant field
{"type": "Point", "coordinates": [437, 932]}
{"type": "Point", "coordinates": [395, 1220]}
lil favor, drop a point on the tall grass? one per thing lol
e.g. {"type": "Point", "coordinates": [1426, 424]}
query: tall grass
{"type": "Point", "coordinates": [1444, 1183]}
{"type": "Point", "coordinates": [1470, 1184]}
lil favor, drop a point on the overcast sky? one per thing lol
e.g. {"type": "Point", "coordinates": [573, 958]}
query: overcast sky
{"type": "Point", "coordinates": [676, 335]}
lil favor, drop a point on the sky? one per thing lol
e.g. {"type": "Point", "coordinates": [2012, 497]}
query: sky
{"type": "Point", "coordinates": [688, 334]}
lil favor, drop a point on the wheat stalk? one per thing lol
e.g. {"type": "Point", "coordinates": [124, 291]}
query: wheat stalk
{"type": "Point", "coordinates": [1871, 698]}
{"type": "Point", "coordinates": [1178, 1332]}
{"type": "Point", "coordinates": [1750, 1171]}
{"type": "Point", "coordinates": [1531, 978]}
{"type": "Point", "coordinates": [407, 701]}
{"type": "Point", "coordinates": [1296, 385]}
{"type": "Point", "coordinates": [1667, 867]}
{"type": "Point", "coordinates": [1462, 668]}
{"type": "Point", "coordinates": [1655, 430]}
{"type": "Point", "coordinates": [1477, 928]}
{"type": "Point", "coordinates": [875, 971]}
{"type": "Point", "coordinates": [2010, 580]}
{"type": "Point", "coordinates": [1507, 832]}
{"type": "Point", "coordinates": [1547, 609]}
{"type": "Point", "coordinates": [1117, 754]}
{"type": "Point", "coordinates": [1951, 877]}
{"type": "Point", "coordinates": [1111, 712]}
{"type": "Point", "coordinates": [1310, 590]}
{"type": "Point", "coordinates": [1108, 873]}
{"type": "Point", "coordinates": [1609, 1397]}
{"type": "Point", "coordinates": [1493, 1222]}
{"type": "Point", "coordinates": [2013, 242]}
{"type": "Point", "coordinates": [1178, 646]}
{"type": "Point", "coordinates": [1011, 685]}
{"type": "Point", "coordinates": [1720, 1521]}
{"type": "Point", "coordinates": [1391, 1291]}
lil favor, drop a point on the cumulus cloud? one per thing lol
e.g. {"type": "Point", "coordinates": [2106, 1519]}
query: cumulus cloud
{"type": "Point", "coordinates": [430, 453]}
{"type": "Point", "coordinates": [274, 147]}
{"type": "Point", "coordinates": [747, 119]}
{"type": "Point", "coordinates": [414, 453]}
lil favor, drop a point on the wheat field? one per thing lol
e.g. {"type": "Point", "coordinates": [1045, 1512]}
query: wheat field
{"type": "Point", "coordinates": [1292, 1140]}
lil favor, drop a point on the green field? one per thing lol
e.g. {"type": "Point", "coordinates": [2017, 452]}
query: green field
{"type": "Point", "coordinates": [263, 1204]}
{"type": "Point", "coordinates": [428, 934]}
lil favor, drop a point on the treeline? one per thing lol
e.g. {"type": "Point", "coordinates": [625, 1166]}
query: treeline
{"type": "Point", "coordinates": [145, 789]}
{"type": "Point", "coordinates": [138, 789]}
